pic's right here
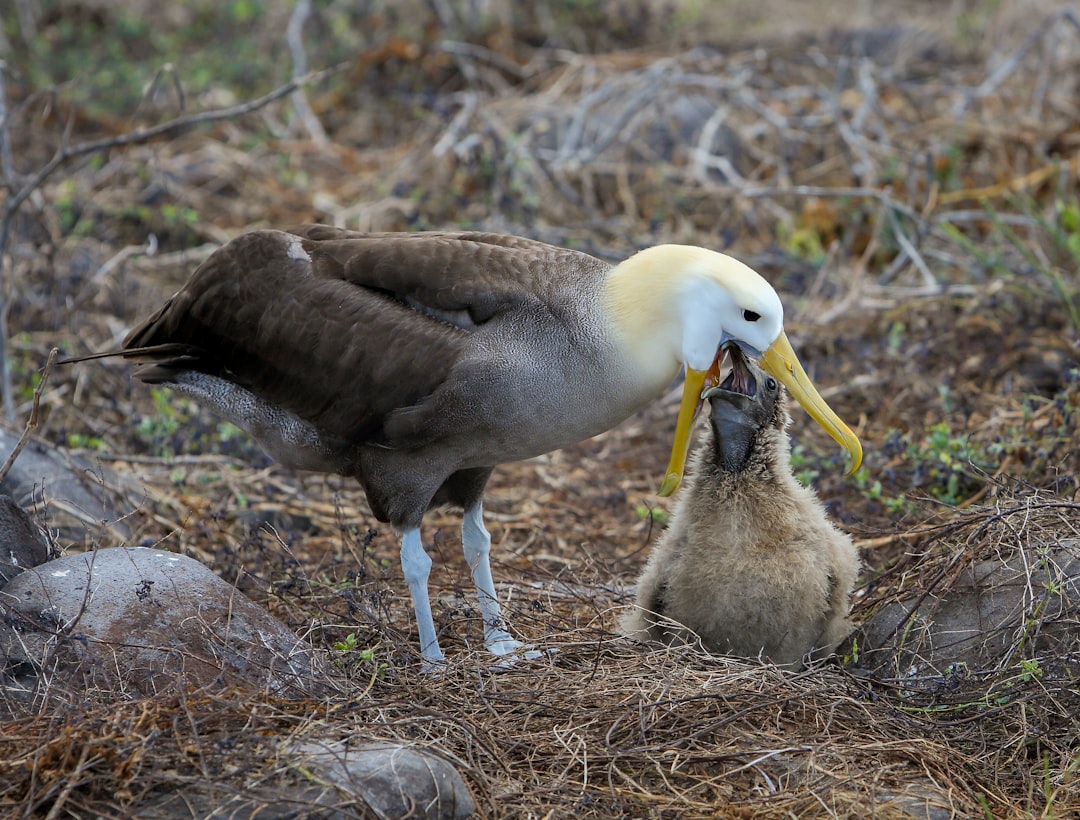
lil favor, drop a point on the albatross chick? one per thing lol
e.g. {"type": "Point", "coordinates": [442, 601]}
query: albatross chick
{"type": "Point", "coordinates": [750, 564]}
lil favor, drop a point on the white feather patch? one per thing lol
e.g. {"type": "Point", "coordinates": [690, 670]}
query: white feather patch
{"type": "Point", "coordinates": [294, 249]}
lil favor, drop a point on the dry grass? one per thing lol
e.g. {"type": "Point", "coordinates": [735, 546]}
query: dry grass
{"type": "Point", "coordinates": [601, 729]}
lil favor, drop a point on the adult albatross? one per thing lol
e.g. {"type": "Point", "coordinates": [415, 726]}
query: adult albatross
{"type": "Point", "coordinates": [418, 362]}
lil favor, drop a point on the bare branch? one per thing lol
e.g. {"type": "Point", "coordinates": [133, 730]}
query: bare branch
{"type": "Point", "coordinates": [912, 253]}
{"type": "Point", "coordinates": [823, 191]}
{"type": "Point", "coordinates": [32, 421]}
{"type": "Point", "coordinates": [450, 138]}
{"type": "Point", "coordinates": [7, 166]}
{"type": "Point", "coordinates": [1012, 62]}
{"type": "Point", "coordinates": [294, 38]}
{"type": "Point", "coordinates": [148, 248]}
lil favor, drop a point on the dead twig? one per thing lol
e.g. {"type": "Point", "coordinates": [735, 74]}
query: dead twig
{"type": "Point", "coordinates": [148, 248]}
{"type": "Point", "coordinates": [1013, 61]}
{"type": "Point", "coordinates": [32, 421]}
{"type": "Point", "coordinates": [294, 37]}
{"type": "Point", "coordinates": [8, 168]}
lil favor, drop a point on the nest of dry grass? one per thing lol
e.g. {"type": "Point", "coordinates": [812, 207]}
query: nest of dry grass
{"type": "Point", "coordinates": [600, 728]}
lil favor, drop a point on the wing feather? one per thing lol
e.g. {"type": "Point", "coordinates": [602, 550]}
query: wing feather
{"type": "Point", "coordinates": [344, 328]}
{"type": "Point", "coordinates": [479, 274]}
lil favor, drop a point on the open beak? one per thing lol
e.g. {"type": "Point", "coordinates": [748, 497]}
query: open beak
{"type": "Point", "coordinates": [780, 360]}
{"type": "Point", "coordinates": [697, 381]}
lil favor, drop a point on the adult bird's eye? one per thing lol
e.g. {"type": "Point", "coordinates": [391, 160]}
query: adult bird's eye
{"type": "Point", "coordinates": [770, 383]}
{"type": "Point", "coordinates": [750, 316]}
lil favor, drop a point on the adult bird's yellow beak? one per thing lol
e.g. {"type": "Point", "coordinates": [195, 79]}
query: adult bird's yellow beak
{"type": "Point", "coordinates": [780, 360]}
{"type": "Point", "coordinates": [693, 387]}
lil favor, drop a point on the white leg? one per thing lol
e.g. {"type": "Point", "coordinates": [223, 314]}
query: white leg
{"type": "Point", "coordinates": [416, 565]}
{"type": "Point", "coordinates": [476, 543]}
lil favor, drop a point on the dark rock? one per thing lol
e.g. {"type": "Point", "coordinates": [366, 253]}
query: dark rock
{"type": "Point", "coordinates": [144, 619]}
{"type": "Point", "coordinates": [1024, 605]}
{"type": "Point", "coordinates": [22, 545]}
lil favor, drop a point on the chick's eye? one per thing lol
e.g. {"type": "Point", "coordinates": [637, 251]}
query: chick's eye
{"type": "Point", "coordinates": [771, 384]}
{"type": "Point", "coordinates": [750, 316]}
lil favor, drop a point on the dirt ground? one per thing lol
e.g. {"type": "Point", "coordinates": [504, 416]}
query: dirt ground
{"type": "Point", "coordinates": [909, 182]}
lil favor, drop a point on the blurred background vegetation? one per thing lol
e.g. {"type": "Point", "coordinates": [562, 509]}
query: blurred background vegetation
{"type": "Point", "coordinates": [905, 173]}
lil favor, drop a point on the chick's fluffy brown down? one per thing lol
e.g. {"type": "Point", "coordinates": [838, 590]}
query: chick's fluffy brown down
{"type": "Point", "coordinates": [750, 563]}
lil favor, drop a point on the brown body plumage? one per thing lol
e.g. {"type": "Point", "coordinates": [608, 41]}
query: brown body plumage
{"type": "Point", "coordinates": [378, 353]}
{"type": "Point", "coordinates": [750, 564]}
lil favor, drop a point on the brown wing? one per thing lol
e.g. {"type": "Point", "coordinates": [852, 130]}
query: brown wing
{"type": "Point", "coordinates": [344, 328]}
{"type": "Point", "coordinates": [465, 277]}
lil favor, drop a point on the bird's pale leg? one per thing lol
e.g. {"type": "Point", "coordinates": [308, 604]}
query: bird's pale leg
{"type": "Point", "coordinates": [416, 566]}
{"type": "Point", "coordinates": [476, 543]}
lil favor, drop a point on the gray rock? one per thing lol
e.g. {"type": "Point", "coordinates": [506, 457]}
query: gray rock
{"type": "Point", "coordinates": [22, 545]}
{"type": "Point", "coordinates": [331, 780]}
{"type": "Point", "coordinates": [82, 498]}
{"type": "Point", "coordinates": [148, 620]}
{"type": "Point", "coordinates": [392, 779]}
{"type": "Point", "coordinates": [995, 612]}
{"type": "Point", "coordinates": [918, 800]}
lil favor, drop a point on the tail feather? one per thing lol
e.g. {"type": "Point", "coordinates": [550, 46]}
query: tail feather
{"type": "Point", "coordinates": [165, 371]}
{"type": "Point", "coordinates": [172, 356]}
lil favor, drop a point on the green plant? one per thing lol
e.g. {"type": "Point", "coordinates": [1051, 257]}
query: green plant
{"type": "Point", "coordinates": [1068, 236]}
{"type": "Point", "coordinates": [1068, 240]}
{"type": "Point", "coordinates": [875, 491]}
{"type": "Point", "coordinates": [352, 655]}
{"type": "Point", "coordinates": [1064, 230]}
{"type": "Point", "coordinates": [67, 207]}
{"type": "Point", "coordinates": [805, 469]}
{"type": "Point", "coordinates": [112, 73]}
{"type": "Point", "coordinates": [175, 215]}
{"type": "Point", "coordinates": [1034, 247]}
{"type": "Point", "coordinates": [657, 515]}
{"type": "Point", "coordinates": [1030, 669]}
{"type": "Point", "coordinates": [973, 23]}
{"type": "Point", "coordinates": [180, 426]}
{"type": "Point", "coordinates": [802, 242]}
{"type": "Point", "coordinates": [81, 441]}
{"type": "Point", "coordinates": [852, 656]}
{"type": "Point", "coordinates": [946, 464]}
{"type": "Point", "coordinates": [347, 644]}
{"type": "Point", "coordinates": [895, 338]}
{"type": "Point", "coordinates": [161, 426]}
{"type": "Point", "coordinates": [228, 432]}
{"type": "Point", "coordinates": [947, 167]}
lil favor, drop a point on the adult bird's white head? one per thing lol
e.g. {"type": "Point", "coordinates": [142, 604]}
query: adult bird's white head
{"type": "Point", "coordinates": [685, 303]}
